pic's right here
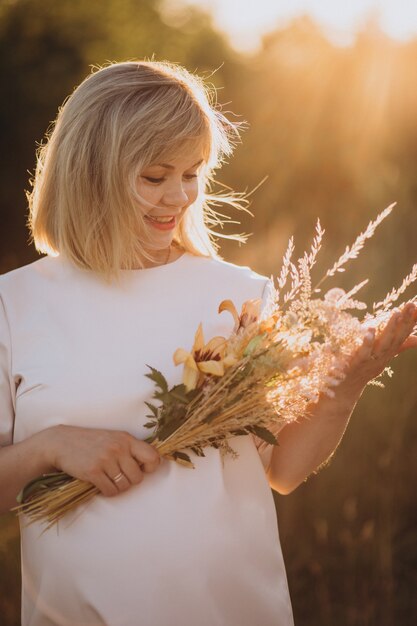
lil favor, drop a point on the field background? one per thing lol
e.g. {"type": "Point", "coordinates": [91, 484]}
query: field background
{"type": "Point", "coordinates": [335, 130]}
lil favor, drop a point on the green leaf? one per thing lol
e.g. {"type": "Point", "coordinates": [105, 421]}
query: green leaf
{"type": "Point", "coordinates": [168, 428]}
{"type": "Point", "coordinates": [179, 392]}
{"type": "Point", "coordinates": [53, 479]}
{"type": "Point", "coordinates": [263, 433]}
{"type": "Point", "coordinates": [169, 398]}
{"type": "Point", "coordinates": [253, 343]}
{"type": "Point", "coordinates": [239, 431]}
{"type": "Point", "coordinates": [181, 455]}
{"type": "Point", "coordinates": [235, 399]}
{"type": "Point", "coordinates": [193, 394]}
{"type": "Point", "coordinates": [158, 378]}
{"type": "Point", "coordinates": [153, 408]}
{"type": "Point", "coordinates": [172, 412]}
{"type": "Point", "coordinates": [197, 450]}
{"type": "Point", "coordinates": [210, 417]}
{"type": "Point", "coordinates": [163, 397]}
{"type": "Point", "coordinates": [243, 372]}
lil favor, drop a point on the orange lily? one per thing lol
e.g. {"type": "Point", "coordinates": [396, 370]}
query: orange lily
{"type": "Point", "coordinates": [249, 314]}
{"type": "Point", "coordinates": [203, 359]}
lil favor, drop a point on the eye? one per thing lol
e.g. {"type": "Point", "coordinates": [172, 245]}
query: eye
{"type": "Point", "coordinates": [190, 176]}
{"type": "Point", "coordinates": [153, 180]}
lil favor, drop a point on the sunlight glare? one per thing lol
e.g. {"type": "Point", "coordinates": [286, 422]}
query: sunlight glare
{"type": "Point", "coordinates": [246, 21]}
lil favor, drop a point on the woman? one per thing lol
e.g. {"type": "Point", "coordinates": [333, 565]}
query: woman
{"type": "Point", "coordinates": [119, 205]}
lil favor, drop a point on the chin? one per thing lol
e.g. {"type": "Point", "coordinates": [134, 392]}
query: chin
{"type": "Point", "coordinates": [160, 243]}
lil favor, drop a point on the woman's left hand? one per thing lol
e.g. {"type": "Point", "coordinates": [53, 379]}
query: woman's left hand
{"type": "Point", "coordinates": [306, 444]}
{"type": "Point", "coordinates": [378, 348]}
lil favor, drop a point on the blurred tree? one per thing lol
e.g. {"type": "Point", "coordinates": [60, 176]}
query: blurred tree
{"type": "Point", "coordinates": [327, 125]}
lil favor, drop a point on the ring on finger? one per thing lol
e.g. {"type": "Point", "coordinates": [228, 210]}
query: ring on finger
{"type": "Point", "coordinates": [119, 476]}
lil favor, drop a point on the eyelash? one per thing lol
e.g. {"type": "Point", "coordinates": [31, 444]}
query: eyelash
{"type": "Point", "coordinates": [161, 180]}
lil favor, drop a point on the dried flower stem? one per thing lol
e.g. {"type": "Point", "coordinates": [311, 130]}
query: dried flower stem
{"type": "Point", "coordinates": [353, 251]}
{"type": "Point", "coordinates": [394, 294]}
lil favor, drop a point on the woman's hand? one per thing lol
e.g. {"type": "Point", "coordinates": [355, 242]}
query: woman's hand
{"type": "Point", "coordinates": [377, 349]}
{"type": "Point", "coordinates": [306, 444]}
{"type": "Point", "coordinates": [99, 456]}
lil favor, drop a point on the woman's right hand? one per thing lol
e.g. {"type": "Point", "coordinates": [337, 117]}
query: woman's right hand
{"type": "Point", "coordinates": [99, 455]}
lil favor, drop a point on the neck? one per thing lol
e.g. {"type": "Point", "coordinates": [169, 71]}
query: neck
{"type": "Point", "coordinates": [162, 257]}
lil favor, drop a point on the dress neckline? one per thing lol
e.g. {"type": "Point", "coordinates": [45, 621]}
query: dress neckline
{"type": "Point", "coordinates": [155, 268]}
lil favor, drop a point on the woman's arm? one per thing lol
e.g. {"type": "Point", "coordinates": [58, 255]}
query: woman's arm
{"type": "Point", "coordinates": [19, 463]}
{"type": "Point", "coordinates": [94, 455]}
{"type": "Point", "coordinates": [305, 445]}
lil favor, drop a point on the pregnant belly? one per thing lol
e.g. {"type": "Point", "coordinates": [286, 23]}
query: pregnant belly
{"type": "Point", "coordinates": [205, 534]}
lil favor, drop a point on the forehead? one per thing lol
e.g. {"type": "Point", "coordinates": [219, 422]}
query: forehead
{"type": "Point", "coordinates": [183, 156]}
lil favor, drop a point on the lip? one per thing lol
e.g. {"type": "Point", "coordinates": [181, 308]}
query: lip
{"type": "Point", "coordinates": [163, 214]}
{"type": "Point", "coordinates": [158, 225]}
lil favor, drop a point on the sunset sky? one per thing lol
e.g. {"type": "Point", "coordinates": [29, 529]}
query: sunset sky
{"type": "Point", "coordinates": [245, 20]}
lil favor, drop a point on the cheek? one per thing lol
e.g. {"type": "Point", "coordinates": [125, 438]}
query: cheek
{"type": "Point", "coordinates": [149, 197]}
{"type": "Point", "coordinates": [192, 192]}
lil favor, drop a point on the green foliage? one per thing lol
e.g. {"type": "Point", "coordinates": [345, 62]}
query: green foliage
{"type": "Point", "coordinates": [159, 380]}
{"type": "Point", "coordinates": [33, 485]}
{"type": "Point", "coordinates": [171, 413]}
{"type": "Point", "coordinates": [253, 344]}
{"type": "Point", "coordinates": [264, 434]}
{"type": "Point", "coordinates": [183, 456]}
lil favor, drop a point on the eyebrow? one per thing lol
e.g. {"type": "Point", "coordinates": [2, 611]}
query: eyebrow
{"type": "Point", "coordinates": [171, 167]}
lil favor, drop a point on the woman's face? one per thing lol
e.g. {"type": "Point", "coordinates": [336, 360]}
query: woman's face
{"type": "Point", "coordinates": [166, 190]}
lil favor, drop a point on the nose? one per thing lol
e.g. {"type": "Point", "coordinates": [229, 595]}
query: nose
{"type": "Point", "coordinates": [175, 196]}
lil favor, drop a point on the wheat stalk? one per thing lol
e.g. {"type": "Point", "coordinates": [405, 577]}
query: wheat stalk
{"type": "Point", "coordinates": [394, 294]}
{"type": "Point", "coordinates": [352, 252]}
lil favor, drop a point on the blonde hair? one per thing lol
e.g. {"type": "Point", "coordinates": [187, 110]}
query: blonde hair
{"type": "Point", "coordinates": [119, 120]}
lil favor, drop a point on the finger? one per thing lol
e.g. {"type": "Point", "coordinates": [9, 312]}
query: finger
{"type": "Point", "coordinates": [363, 353]}
{"type": "Point", "coordinates": [410, 315]}
{"type": "Point", "coordinates": [410, 342]}
{"type": "Point", "coordinates": [385, 341]}
{"type": "Point", "coordinates": [131, 469]}
{"type": "Point", "coordinates": [396, 331]}
{"type": "Point", "coordinates": [146, 455]}
{"type": "Point", "coordinates": [409, 308]}
{"type": "Point", "coordinates": [113, 471]}
{"type": "Point", "coordinates": [105, 485]}
{"type": "Point", "coordinates": [406, 326]}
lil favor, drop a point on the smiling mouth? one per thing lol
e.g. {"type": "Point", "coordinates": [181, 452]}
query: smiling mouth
{"type": "Point", "coordinates": [161, 220]}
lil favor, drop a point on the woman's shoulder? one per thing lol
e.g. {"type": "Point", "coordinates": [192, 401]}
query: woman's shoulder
{"type": "Point", "coordinates": [229, 278]}
{"type": "Point", "coordinates": [27, 287]}
{"type": "Point", "coordinates": [35, 271]}
{"type": "Point", "coordinates": [225, 269]}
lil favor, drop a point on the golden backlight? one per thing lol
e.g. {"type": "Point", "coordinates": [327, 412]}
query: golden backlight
{"type": "Point", "coordinates": [246, 21]}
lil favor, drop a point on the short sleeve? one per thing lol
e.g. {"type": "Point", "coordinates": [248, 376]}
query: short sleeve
{"type": "Point", "coordinates": [6, 398]}
{"type": "Point", "coordinates": [265, 449]}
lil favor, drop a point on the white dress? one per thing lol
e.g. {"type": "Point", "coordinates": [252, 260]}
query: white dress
{"type": "Point", "coordinates": [185, 547]}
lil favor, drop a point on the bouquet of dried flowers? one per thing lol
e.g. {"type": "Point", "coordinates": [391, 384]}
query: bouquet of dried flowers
{"type": "Point", "coordinates": [274, 364]}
